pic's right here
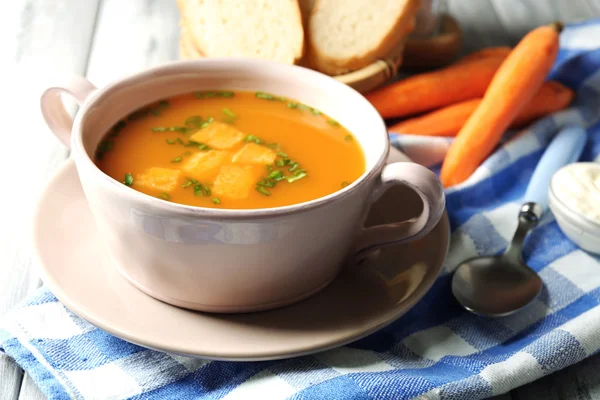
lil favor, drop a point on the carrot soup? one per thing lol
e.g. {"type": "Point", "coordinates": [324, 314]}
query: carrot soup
{"type": "Point", "coordinates": [231, 150]}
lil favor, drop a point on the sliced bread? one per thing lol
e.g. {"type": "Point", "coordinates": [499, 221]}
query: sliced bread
{"type": "Point", "coordinates": [346, 35]}
{"type": "Point", "coordinates": [187, 49]}
{"type": "Point", "coordinates": [265, 29]}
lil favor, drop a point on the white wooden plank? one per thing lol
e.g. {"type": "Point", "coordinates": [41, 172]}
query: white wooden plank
{"type": "Point", "coordinates": [594, 6]}
{"type": "Point", "coordinates": [520, 16]}
{"type": "Point", "coordinates": [30, 391]}
{"type": "Point", "coordinates": [480, 24]}
{"type": "Point", "coordinates": [42, 41]}
{"type": "Point", "coordinates": [575, 10]}
{"type": "Point", "coordinates": [131, 36]}
{"type": "Point", "coordinates": [10, 378]}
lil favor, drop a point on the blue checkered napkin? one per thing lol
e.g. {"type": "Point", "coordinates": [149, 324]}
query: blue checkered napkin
{"type": "Point", "coordinates": [437, 350]}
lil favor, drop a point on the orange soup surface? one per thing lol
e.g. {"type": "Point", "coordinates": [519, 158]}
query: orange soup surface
{"type": "Point", "coordinates": [231, 150]}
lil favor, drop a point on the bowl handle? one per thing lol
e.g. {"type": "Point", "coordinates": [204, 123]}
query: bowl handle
{"type": "Point", "coordinates": [430, 190]}
{"type": "Point", "coordinates": [57, 118]}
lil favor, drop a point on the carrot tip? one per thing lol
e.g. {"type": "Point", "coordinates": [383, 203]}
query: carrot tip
{"type": "Point", "coordinates": [559, 26]}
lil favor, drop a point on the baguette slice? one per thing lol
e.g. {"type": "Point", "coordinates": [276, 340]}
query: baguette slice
{"type": "Point", "coordinates": [187, 49]}
{"type": "Point", "coordinates": [346, 35]}
{"type": "Point", "coordinates": [264, 29]}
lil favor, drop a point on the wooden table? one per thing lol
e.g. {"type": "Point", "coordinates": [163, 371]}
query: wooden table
{"type": "Point", "coordinates": [45, 40]}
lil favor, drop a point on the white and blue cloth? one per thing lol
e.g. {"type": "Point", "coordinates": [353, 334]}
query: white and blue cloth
{"type": "Point", "coordinates": [435, 351]}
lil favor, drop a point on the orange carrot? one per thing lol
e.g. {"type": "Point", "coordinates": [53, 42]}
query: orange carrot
{"type": "Point", "coordinates": [514, 85]}
{"type": "Point", "coordinates": [447, 121]}
{"type": "Point", "coordinates": [501, 51]}
{"type": "Point", "coordinates": [552, 97]}
{"type": "Point", "coordinates": [424, 92]}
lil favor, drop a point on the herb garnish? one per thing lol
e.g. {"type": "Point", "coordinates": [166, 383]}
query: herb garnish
{"type": "Point", "coordinates": [199, 145]}
{"type": "Point", "coordinates": [344, 184]}
{"type": "Point", "coordinates": [216, 200]}
{"type": "Point", "coordinates": [180, 129]}
{"type": "Point", "coordinates": [177, 159]}
{"type": "Point", "coordinates": [269, 96]}
{"type": "Point", "coordinates": [348, 138]}
{"type": "Point", "coordinates": [263, 191]}
{"type": "Point", "coordinates": [128, 181]}
{"type": "Point", "coordinates": [105, 146]}
{"type": "Point", "coordinates": [333, 122]}
{"type": "Point", "coordinates": [165, 196]}
{"type": "Point", "coordinates": [210, 94]}
{"type": "Point", "coordinates": [195, 121]}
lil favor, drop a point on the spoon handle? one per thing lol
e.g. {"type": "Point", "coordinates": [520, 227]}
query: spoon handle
{"type": "Point", "coordinates": [565, 148]}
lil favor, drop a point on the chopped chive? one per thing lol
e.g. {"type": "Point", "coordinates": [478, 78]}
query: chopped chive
{"type": "Point", "coordinates": [225, 94]}
{"type": "Point", "coordinates": [275, 174]}
{"type": "Point", "coordinates": [287, 161]}
{"type": "Point", "coordinates": [192, 180]}
{"type": "Point", "coordinates": [300, 171]}
{"type": "Point", "coordinates": [282, 154]}
{"type": "Point", "coordinates": [128, 181]}
{"type": "Point", "coordinates": [179, 141]}
{"type": "Point", "coordinates": [206, 190]}
{"type": "Point", "coordinates": [315, 111]}
{"type": "Point", "coordinates": [204, 95]}
{"type": "Point", "coordinates": [252, 138]}
{"type": "Point", "coordinates": [292, 105]}
{"type": "Point", "coordinates": [187, 184]}
{"type": "Point", "coordinates": [195, 121]}
{"type": "Point", "coordinates": [229, 113]}
{"type": "Point", "coordinates": [268, 96]}
{"type": "Point", "coordinates": [165, 196]}
{"type": "Point", "coordinates": [344, 184]}
{"type": "Point", "coordinates": [177, 159]}
{"type": "Point", "coordinates": [263, 191]}
{"type": "Point", "coordinates": [333, 122]}
{"type": "Point", "coordinates": [293, 167]}
{"type": "Point", "coordinates": [266, 183]}
{"type": "Point", "coordinates": [348, 138]}
{"type": "Point", "coordinates": [187, 153]}
{"type": "Point", "coordinates": [171, 141]}
{"type": "Point", "coordinates": [158, 129]}
{"type": "Point", "coordinates": [294, 178]}
{"type": "Point", "coordinates": [137, 115]}
{"type": "Point", "coordinates": [279, 162]}
{"type": "Point", "coordinates": [273, 146]}
{"type": "Point", "coordinates": [120, 125]}
{"type": "Point", "coordinates": [280, 178]}
{"type": "Point", "coordinates": [209, 121]}
{"type": "Point", "coordinates": [303, 107]}
{"type": "Point", "coordinates": [269, 168]}
{"type": "Point", "coordinates": [105, 145]}
{"type": "Point", "coordinates": [198, 190]}
{"type": "Point", "coordinates": [199, 145]}
{"type": "Point", "coordinates": [216, 200]}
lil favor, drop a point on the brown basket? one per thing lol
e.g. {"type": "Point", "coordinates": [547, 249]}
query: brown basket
{"type": "Point", "coordinates": [414, 53]}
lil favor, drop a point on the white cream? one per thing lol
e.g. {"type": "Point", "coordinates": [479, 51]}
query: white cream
{"type": "Point", "coordinates": [578, 187]}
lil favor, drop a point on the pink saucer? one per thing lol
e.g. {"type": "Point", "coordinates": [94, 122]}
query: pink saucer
{"type": "Point", "coordinates": [76, 267]}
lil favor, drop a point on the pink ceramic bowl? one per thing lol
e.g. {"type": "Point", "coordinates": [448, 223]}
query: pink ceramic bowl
{"type": "Point", "coordinates": [236, 260]}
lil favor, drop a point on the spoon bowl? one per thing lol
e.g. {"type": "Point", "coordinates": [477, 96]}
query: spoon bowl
{"type": "Point", "coordinates": [495, 286]}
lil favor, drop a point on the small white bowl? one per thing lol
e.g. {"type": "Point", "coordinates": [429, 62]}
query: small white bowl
{"type": "Point", "coordinates": [581, 230]}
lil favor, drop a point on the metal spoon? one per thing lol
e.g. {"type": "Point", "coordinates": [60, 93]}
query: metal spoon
{"type": "Point", "coordinates": [496, 286]}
